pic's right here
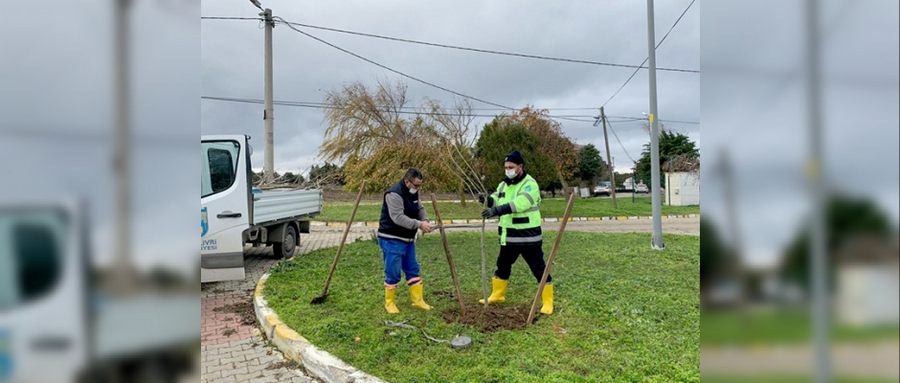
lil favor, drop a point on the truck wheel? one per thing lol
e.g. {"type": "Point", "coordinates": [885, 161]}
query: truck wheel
{"type": "Point", "coordinates": [285, 248]}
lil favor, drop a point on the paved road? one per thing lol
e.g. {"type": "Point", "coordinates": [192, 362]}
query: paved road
{"type": "Point", "coordinates": [233, 350]}
{"type": "Point", "coordinates": [687, 226]}
{"type": "Point", "coordinates": [873, 360]}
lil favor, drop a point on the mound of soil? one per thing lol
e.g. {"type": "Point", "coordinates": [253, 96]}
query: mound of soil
{"type": "Point", "coordinates": [493, 318]}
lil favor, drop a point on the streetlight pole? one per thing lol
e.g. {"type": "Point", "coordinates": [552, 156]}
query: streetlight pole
{"type": "Point", "coordinates": [818, 238]}
{"type": "Point", "coordinates": [656, 241]}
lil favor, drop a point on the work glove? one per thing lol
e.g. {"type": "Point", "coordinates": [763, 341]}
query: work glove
{"type": "Point", "coordinates": [490, 200]}
{"type": "Point", "coordinates": [496, 211]}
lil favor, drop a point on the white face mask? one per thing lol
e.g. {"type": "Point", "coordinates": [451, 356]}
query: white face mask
{"type": "Point", "coordinates": [412, 188]}
{"type": "Point", "coordinates": [511, 173]}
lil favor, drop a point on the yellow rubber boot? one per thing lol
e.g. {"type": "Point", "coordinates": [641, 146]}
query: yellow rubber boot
{"type": "Point", "coordinates": [389, 303]}
{"type": "Point", "coordinates": [547, 299]}
{"type": "Point", "coordinates": [498, 291]}
{"type": "Point", "coordinates": [416, 293]}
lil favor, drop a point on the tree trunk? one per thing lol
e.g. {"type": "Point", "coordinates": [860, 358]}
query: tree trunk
{"type": "Point", "coordinates": [565, 185]}
{"type": "Point", "coordinates": [462, 196]}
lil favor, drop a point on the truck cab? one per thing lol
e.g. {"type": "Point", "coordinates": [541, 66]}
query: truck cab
{"type": "Point", "coordinates": [233, 212]}
{"type": "Point", "coordinates": [226, 200]}
{"type": "Point", "coordinates": [43, 316]}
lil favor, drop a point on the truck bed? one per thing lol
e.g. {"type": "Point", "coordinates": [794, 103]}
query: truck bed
{"type": "Point", "coordinates": [276, 205]}
{"type": "Point", "coordinates": [145, 323]}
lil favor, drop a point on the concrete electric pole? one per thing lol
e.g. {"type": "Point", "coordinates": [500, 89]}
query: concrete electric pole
{"type": "Point", "coordinates": [269, 110]}
{"type": "Point", "coordinates": [123, 278]}
{"type": "Point", "coordinates": [612, 174]}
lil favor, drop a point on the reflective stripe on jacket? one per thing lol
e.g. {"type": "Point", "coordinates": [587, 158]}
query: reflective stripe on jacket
{"type": "Point", "coordinates": [523, 226]}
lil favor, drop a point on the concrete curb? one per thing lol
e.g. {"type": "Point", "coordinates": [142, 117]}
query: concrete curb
{"type": "Point", "coordinates": [374, 224]}
{"type": "Point", "coordinates": [318, 363]}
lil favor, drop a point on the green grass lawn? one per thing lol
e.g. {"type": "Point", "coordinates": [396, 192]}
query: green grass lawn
{"type": "Point", "coordinates": [779, 327]}
{"type": "Point", "coordinates": [551, 207]}
{"type": "Point", "coordinates": [623, 312]}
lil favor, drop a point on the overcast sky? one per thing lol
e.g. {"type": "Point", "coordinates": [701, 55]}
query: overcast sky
{"type": "Point", "coordinates": [56, 102]}
{"type": "Point", "coordinates": [56, 120]}
{"type": "Point", "coordinates": [304, 69]}
{"type": "Point", "coordinates": [755, 112]}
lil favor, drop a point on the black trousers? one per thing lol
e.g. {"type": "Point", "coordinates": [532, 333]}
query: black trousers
{"type": "Point", "coordinates": [533, 255]}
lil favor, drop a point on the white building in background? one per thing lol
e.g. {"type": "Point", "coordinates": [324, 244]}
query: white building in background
{"type": "Point", "coordinates": [868, 283]}
{"type": "Point", "coordinates": [682, 188]}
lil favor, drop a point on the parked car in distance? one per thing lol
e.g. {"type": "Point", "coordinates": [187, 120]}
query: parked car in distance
{"type": "Point", "coordinates": [641, 188]}
{"type": "Point", "coordinates": [602, 188]}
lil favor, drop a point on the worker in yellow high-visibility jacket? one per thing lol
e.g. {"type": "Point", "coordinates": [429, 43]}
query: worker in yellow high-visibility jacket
{"type": "Point", "coordinates": [517, 202]}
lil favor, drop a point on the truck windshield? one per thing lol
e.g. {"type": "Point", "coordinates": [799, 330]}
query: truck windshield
{"type": "Point", "coordinates": [30, 254]}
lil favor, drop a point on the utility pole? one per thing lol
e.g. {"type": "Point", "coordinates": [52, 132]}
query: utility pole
{"type": "Point", "coordinates": [815, 168]}
{"type": "Point", "coordinates": [269, 111]}
{"type": "Point", "coordinates": [656, 241]}
{"type": "Point", "coordinates": [612, 174]}
{"type": "Point", "coordinates": [122, 279]}
{"type": "Point", "coordinates": [726, 173]}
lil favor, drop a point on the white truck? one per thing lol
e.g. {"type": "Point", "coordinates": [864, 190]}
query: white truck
{"type": "Point", "coordinates": [56, 325]}
{"type": "Point", "coordinates": [233, 214]}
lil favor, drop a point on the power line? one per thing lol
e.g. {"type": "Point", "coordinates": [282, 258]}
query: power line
{"type": "Point", "coordinates": [385, 67]}
{"type": "Point", "coordinates": [633, 119]}
{"type": "Point", "coordinates": [322, 106]}
{"type": "Point", "coordinates": [620, 142]}
{"type": "Point", "coordinates": [647, 58]}
{"type": "Point", "coordinates": [421, 110]}
{"type": "Point", "coordinates": [68, 135]}
{"type": "Point", "coordinates": [229, 18]}
{"type": "Point", "coordinates": [502, 107]}
{"type": "Point", "coordinates": [462, 48]}
{"type": "Point", "coordinates": [490, 51]}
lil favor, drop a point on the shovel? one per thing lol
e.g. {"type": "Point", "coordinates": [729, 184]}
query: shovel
{"type": "Point", "coordinates": [321, 298]}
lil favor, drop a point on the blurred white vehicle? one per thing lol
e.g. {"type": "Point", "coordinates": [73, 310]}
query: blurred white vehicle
{"type": "Point", "coordinates": [55, 325]}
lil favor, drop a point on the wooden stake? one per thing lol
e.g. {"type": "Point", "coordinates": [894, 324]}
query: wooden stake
{"type": "Point", "coordinates": [559, 235]}
{"type": "Point", "coordinates": [437, 215]}
{"type": "Point", "coordinates": [321, 298]}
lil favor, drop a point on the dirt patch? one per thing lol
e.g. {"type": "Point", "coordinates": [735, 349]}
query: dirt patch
{"type": "Point", "coordinates": [229, 332]}
{"type": "Point", "coordinates": [287, 363]}
{"type": "Point", "coordinates": [244, 311]}
{"type": "Point", "coordinates": [494, 318]}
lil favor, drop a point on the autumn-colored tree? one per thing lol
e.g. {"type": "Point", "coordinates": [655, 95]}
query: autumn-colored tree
{"type": "Point", "coordinates": [377, 138]}
{"type": "Point", "coordinates": [550, 156]}
{"type": "Point", "coordinates": [501, 136]}
{"type": "Point", "coordinates": [553, 142]}
{"type": "Point", "coordinates": [451, 130]}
